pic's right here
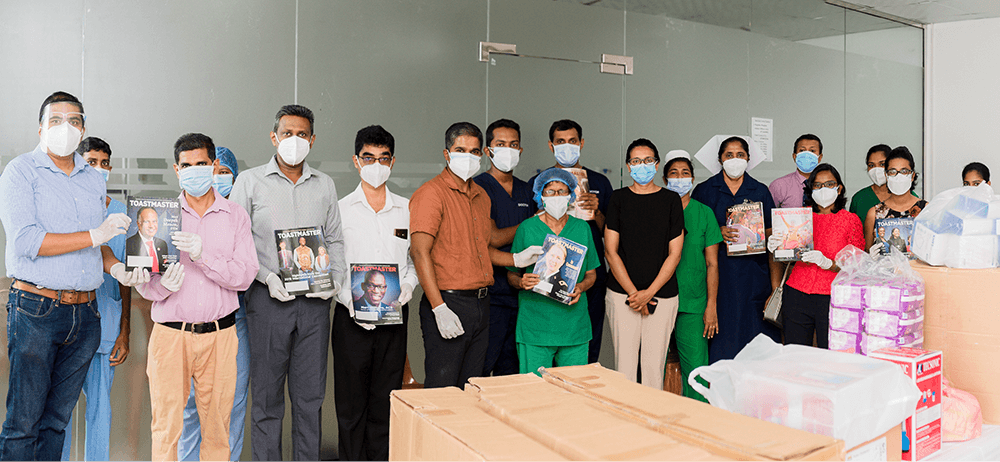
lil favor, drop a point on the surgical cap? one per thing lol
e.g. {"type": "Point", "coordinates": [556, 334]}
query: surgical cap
{"type": "Point", "coordinates": [550, 175]}
{"type": "Point", "coordinates": [227, 159]}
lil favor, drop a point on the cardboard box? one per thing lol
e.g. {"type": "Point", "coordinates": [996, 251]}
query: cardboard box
{"type": "Point", "coordinates": [922, 430]}
{"type": "Point", "coordinates": [886, 447]}
{"type": "Point", "coordinates": [961, 319]}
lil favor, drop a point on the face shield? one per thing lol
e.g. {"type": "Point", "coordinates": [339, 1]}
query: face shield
{"type": "Point", "coordinates": [62, 128]}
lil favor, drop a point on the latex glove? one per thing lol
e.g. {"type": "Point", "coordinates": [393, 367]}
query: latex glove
{"type": "Point", "coordinates": [364, 325]}
{"type": "Point", "coordinates": [775, 241]}
{"type": "Point", "coordinates": [816, 257]}
{"type": "Point", "coordinates": [277, 288]}
{"type": "Point", "coordinates": [876, 250]}
{"type": "Point", "coordinates": [113, 225]}
{"type": "Point", "coordinates": [173, 277]}
{"type": "Point", "coordinates": [129, 278]}
{"type": "Point", "coordinates": [405, 294]}
{"type": "Point", "coordinates": [527, 256]}
{"type": "Point", "coordinates": [325, 295]}
{"type": "Point", "coordinates": [448, 323]}
{"type": "Point", "coordinates": [187, 242]}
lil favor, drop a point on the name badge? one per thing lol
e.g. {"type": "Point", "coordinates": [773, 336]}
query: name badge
{"type": "Point", "coordinates": [401, 233]}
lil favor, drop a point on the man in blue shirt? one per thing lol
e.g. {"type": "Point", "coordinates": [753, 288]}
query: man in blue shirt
{"type": "Point", "coordinates": [52, 205]}
{"type": "Point", "coordinates": [511, 203]}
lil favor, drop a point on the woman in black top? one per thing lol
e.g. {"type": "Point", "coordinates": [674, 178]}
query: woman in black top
{"type": "Point", "coordinates": [901, 179]}
{"type": "Point", "coordinates": [643, 240]}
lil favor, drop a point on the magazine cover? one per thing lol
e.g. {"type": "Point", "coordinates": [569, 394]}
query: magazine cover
{"type": "Point", "coordinates": [375, 289]}
{"type": "Point", "coordinates": [303, 263]}
{"type": "Point", "coordinates": [559, 268]}
{"type": "Point", "coordinates": [582, 186]}
{"type": "Point", "coordinates": [748, 219]}
{"type": "Point", "coordinates": [896, 232]}
{"type": "Point", "coordinates": [148, 243]}
{"type": "Point", "coordinates": [797, 226]}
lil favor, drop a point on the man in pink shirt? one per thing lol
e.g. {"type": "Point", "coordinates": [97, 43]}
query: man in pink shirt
{"type": "Point", "coordinates": [787, 191]}
{"type": "Point", "coordinates": [194, 308]}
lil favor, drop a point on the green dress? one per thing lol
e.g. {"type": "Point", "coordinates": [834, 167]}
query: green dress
{"type": "Point", "coordinates": [862, 201]}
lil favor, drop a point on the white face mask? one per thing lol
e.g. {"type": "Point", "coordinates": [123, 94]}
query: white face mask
{"type": "Point", "coordinates": [735, 167]}
{"type": "Point", "coordinates": [825, 197]}
{"type": "Point", "coordinates": [877, 174]}
{"type": "Point", "coordinates": [61, 139]}
{"type": "Point", "coordinates": [556, 206]}
{"type": "Point", "coordinates": [505, 159]}
{"type": "Point", "coordinates": [566, 154]}
{"type": "Point", "coordinates": [463, 164]}
{"type": "Point", "coordinates": [900, 184]}
{"type": "Point", "coordinates": [293, 150]}
{"type": "Point", "coordinates": [375, 174]}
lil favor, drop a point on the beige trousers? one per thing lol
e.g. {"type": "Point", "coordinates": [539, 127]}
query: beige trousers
{"type": "Point", "coordinates": [630, 329]}
{"type": "Point", "coordinates": [175, 358]}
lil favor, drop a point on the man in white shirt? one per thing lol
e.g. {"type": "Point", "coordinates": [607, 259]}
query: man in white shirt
{"type": "Point", "coordinates": [368, 360]}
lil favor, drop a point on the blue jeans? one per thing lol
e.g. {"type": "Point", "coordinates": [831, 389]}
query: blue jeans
{"type": "Point", "coordinates": [97, 413]}
{"type": "Point", "coordinates": [50, 346]}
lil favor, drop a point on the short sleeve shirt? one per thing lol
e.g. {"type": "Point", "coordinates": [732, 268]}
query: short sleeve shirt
{"type": "Point", "coordinates": [700, 231]}
{"type": "Point", "coordinates": [506, 210]}
{"type": "Point", "coordinates": [645, 223]}
{"type": "Point", "coordinates": [788, 191]}
{"type": "Point", "coordinates": [541, 320]}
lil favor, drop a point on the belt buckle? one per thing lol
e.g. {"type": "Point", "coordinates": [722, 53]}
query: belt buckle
{"type": "Point", "coordinates": [482, 292]}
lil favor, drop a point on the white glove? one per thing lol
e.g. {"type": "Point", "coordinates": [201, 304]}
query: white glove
{"type": "Point", "coordinates": [129, 278]}
{"type": "Point", "coordinates": [277, 288]}
{"type": "Point", "coordinates": [775, 241]}
{"type": "Point", "coordinates": [114, 224]}
{"type": "Point", "coordinates": [364, 325]}
{"type": "Point", "coordinates": [187, 242]}
{"type": "Point", "coordinates": [405, 294]}
{"type": "Point", "coordinates": [325, 295]}
{"type": "Point", "coordinates": [816, 257]}
{"type": "Point", "coordinates": [526, 257]}
{"type": "Point", "coordinates": [876, 250]}
{"type": "Point", "coordinates": [448, 323]}
{"type": "Point", "coordinates": [173, 277]}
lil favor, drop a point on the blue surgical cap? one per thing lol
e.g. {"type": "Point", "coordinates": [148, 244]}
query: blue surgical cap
{"type": "Point", "coordinates": [550, 175]}
{"type": "Point", "coordinates": [227, 159]}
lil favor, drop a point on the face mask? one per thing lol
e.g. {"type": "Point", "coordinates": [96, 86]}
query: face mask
{"type": "Point", "coordinates": [681, 186]}
{"type": "Point", "coordinates": [642, 173]}
{"type": "Point", "coordinates": [105, 173]}
{"type": "Point", "coordinates": [61, 140]}
{"type": "Point", "coordinates": [567, 154]}
{"type": "Point", "coordinates": [463, 164]}
{"type": "Point", "coordinates": [877, 174]}
{"type": "Point", "coordinates": [505, 159]}
{"type": "Point", "coordinates": [824, 197]}
{"type": "Point", "coordinates": [293, 150]}
{"type": "Point", "coordinates": [223, 183]}
{"type": "Point", "coordinates": [375, 174]}
{"type": "Point", "coordinates": [197, 180]}
{"type": "Point", "coordinates": [900, 184]}
{"type": "Point", "coordinates": [556, 206]}
{"type": "Point", "coordinates": [806, 161]}
{"type": "Point", "coordinates": [735, 167]}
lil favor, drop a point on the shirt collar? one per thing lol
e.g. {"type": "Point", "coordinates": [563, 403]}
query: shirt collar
{"type": "Point", "coordinates": [272, 167]}
{"type": "Point", "coordinates": [749, 184]}
{"type": "Point", "coordinates": [216, 206]}
{"type": "Point", "coordinates": [358, 197]}
{"type": "Point", "coordinates": [43, 160]}
{"type": "Point", "coordinates": [449, 181]}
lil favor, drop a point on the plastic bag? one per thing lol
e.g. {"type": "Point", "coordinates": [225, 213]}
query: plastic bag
{"type": "Point", "coordinates": [958, 229]}
{"type": "Point", "coordinates": [961, 414]}
{"type": "Point", "coordinates": [845, 396]}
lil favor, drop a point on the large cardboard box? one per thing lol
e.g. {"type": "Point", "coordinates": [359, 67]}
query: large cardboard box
{"type": "Point", "coordinates": [886, 447]}
{"type": "Point", "coordinates": [588, 413]}
{"type": "Point", "coordinates": [922, 429]}
{"type": "Point", "coordinates": [962, 320]}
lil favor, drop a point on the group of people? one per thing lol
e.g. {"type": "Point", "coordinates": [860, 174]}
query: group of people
{"type": "Point", "coordinates": [651, 258]}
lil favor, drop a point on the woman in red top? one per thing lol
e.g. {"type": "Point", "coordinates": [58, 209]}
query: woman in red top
{"type": "Point", "coordinates": [805, 307]}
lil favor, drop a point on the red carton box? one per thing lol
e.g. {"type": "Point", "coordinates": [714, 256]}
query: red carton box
{"type": "Point", "coordinates": [922, 430]}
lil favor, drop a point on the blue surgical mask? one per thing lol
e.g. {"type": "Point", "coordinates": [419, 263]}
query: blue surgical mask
{"type": "Point", "coordinates": [681, 186]}
{"type": "Point", "coordinates": [196, 180]}
{"type": "Point", "coordinates": [806, 161]}
{"type": "Point", "coordinates": [223, 183]}
{"type": "Point", "coordinates": [567, 154]}
{"type": "Point", "coordinates": [643, 173]}
{"type": "Point", "coordinates": [106, 173]}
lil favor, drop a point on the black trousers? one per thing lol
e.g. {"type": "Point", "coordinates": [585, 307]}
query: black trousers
{"type": "Point", "coordinates": [367, 366]}
{"type": "Point", "coordinates": [501, 355]}
{"type": "Point", "coordinates": [803, 314]}
{"type": "Point", "coordinates": [596, 308]}
{"type": "Point", "coordinates": [450, 363]}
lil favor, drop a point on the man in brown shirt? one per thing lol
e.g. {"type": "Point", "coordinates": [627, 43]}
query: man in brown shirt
{"type": "Point", "coordinates": [454, 257]}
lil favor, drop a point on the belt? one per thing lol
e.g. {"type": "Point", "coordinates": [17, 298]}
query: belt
{"type": "Point", "coordinates": [66, 297]}
{"type": "Point", "coordinates": [481, 292]}
{"type": "Point", "coordinates": [205, 327]}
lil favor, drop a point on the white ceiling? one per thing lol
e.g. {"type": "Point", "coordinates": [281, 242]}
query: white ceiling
{"type": "Point", "coordinates": [935, 11]}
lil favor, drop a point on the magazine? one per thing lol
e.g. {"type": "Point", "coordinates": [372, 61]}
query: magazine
{"type": "Point", "coordinates": [303, 262]}
{"type": "Point", "coordinates": [582, 187]}
{"type": "Point", "coordinates": [895, 232]}
{"type": "Point", "coordinates": [148, 243]}
{"type": "Point", "coordinates": [748, 220]}
{"type": "Point", "coordinates": [559, 267]}
{"type": "Point", "coordinates": [796, 224]}
{"type": "Point", "coordinates": [375, 292]}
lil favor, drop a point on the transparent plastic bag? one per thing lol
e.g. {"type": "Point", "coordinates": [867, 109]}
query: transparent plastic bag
{"type": "Point", "coordinates": [958, 229]}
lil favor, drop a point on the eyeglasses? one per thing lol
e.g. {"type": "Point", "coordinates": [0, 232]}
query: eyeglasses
{"type": "Point", "coordinates": [75, 119]}
{"type": "Point", "coordinates": [636, 161]}
{"type": "Point", "coordinates": [381, 287]}
{"type": "Point", "coordinates": [894, 172]}
{"type": "Point", "coordinates": [368, 160]}
{"type": "Point", "coordinates": [828, 184]}
{"type": "Point", "coordinates": [555, 192]}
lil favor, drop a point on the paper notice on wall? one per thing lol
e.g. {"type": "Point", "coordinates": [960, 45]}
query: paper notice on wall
{"type": "Point", "coordinates": [762, 131]}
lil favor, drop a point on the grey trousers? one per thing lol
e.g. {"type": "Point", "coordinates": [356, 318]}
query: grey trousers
{"type": "Point", "coordinates": [287, 340]}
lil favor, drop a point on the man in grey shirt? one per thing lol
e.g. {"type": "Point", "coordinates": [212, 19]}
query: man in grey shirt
{"type": "Point", "coordinates": [289, 335]}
